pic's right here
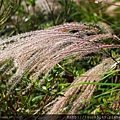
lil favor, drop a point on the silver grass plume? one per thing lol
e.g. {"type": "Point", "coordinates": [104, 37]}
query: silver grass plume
{"type": "Point", "coordinates": [79, 94]}
{"type": "Point", "coordinates": [39, 51]}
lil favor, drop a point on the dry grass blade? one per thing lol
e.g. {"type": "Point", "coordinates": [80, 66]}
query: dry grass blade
{"type": "Point", "coordinates": [39, 51]}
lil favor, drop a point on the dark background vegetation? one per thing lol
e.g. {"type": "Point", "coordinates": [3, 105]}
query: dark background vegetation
{"type": "Point", "coordinates": [23, 16]}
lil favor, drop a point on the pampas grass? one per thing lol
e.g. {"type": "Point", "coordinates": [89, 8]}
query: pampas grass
{"type": "Point", "coordinates": [39, 51]}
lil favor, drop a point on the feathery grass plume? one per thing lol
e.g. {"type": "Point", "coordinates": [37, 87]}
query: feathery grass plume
{"type": "Point", "coordinates": [78, 95]}
{"type": "Point", "coordinates": [81, 92]}
{"type": "Point", "coordinates": [39, 51]}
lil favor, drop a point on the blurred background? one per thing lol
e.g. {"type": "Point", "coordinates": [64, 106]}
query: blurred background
{"type": "Point", "coordinates": [18, 16]}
